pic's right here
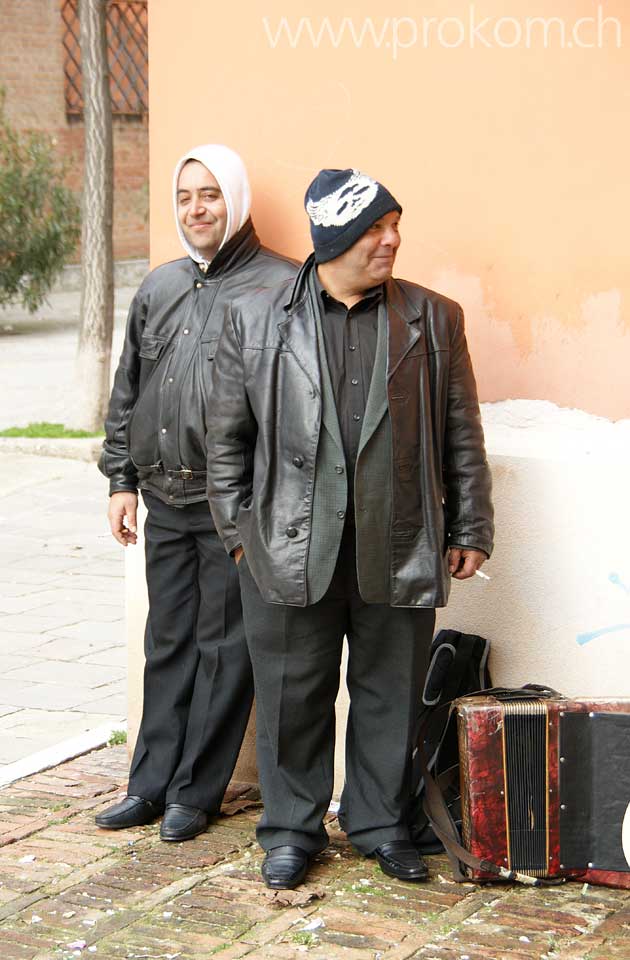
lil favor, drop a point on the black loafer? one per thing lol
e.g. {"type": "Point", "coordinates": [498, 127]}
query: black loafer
{"type": "Point", "coordinates": [400, 859]}
{"type": "Point", "coordinates": [130, 812]}
{"type": "Point", "coordinates": [182, 822]}
{"type": "Point", "coordinates": [284, 867]}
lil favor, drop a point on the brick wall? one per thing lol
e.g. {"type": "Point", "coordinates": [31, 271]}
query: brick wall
{"type": "Point", "coordinates": [31, 71]}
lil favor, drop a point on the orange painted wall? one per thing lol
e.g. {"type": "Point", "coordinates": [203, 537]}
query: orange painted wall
{"type": "Point", "coordinates": [511, 160]}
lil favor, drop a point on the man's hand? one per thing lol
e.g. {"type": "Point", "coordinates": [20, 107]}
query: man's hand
{"type": "Point", "coordinates": [123, 507]}
{"type": "Point", "coordinates": [238, 555]}
{"type": "Point", "coordinates": [463, 563]}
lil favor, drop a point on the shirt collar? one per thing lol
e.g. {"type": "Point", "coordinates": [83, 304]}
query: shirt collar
{"type": "Point", "coordinates": [373, 294]}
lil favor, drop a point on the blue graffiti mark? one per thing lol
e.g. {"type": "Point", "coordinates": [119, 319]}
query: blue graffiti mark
{"type": "Point", "coordinates": [618, 582]}
{"type": "Point", "coordinates": [583, 638]}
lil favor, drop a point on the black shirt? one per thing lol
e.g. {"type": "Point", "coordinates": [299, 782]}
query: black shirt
{"type": "Point", "coordinates": [350, 337]}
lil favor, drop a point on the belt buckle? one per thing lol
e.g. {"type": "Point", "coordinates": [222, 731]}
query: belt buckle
{"type": "Point", "coordinates": [186, 474]}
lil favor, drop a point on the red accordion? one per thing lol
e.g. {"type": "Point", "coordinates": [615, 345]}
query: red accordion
{"type": "Point", "coordinates": [546, 786]}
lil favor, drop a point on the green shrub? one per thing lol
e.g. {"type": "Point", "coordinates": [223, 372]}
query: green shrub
{"type": "Point", "coordinates": [117, 737]}
{"type": "Point", "coordinates": [39, 216]}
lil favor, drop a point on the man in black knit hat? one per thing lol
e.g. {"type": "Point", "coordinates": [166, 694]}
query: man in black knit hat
{"type": "Point", "coordinates": [347, 475]}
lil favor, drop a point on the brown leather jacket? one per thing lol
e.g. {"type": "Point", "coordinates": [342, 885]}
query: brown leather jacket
{"type": "Point", "coordinates": [264, 428]}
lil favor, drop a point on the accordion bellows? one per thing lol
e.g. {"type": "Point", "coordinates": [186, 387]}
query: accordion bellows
{"type": "Point", "coordinates": [546, 786]}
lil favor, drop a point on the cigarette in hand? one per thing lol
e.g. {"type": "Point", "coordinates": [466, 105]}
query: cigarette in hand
{"type": "Point", "coordinates": [484, 576]}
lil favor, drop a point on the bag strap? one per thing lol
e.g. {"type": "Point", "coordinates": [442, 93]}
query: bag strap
{"type": "Point", "coordinates": [530, 691]}
{"type": "Point", "coordinates": [462, 646]}
{"type": "Point", "coordinates": [463, 653]}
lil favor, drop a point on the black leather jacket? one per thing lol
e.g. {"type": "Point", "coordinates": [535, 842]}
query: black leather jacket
{"type": "Point", "coordinates": [156, 425]}
{"type": "Point", "coordinates": [264, 427]}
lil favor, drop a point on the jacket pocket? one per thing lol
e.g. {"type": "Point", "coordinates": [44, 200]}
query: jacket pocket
{"type": "Point", "coordinates": [151, 346]}
{"type": "Point", "coordinates": [209, 347]}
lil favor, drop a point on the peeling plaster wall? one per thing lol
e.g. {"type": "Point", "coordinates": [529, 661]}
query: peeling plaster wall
{"type": "Point", "coordinates": [583, 363]}
{"type": "Point", "coordinates": [557, 609]}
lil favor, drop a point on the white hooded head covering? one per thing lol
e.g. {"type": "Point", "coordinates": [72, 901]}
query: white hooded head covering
{"type": "Point", "coordinates": [229, 171]}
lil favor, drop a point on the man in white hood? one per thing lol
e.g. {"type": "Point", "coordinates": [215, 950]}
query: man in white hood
{"type": "Point", "coordinates": [197, 683]}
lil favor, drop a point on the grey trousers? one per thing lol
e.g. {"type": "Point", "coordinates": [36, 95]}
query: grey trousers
{"type": "Point", "coordinates": [296, 654]}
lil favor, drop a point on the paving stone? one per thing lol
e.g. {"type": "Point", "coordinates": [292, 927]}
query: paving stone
{"type": "Point", "coordinates": [266, 931]}
{"type": "Point", "coordinates": [25, 576]}
{"type": "Point", "coordinates": [17, 747]}
{"type": "Point", "coordinates": [67, 596]}
{"type": "Point", "coordinates": [9, 692]}
{"type": "Point", "coordinates": [8, 711]}
{"type": "Point", "coordinates": [54, 672]}
{"type": "Point", "coordinates": [29, 623]}
{"type": "Point", "coordinates": [74, 611]}
{"type": "Point", "coordinates": [12, 662]}
{"type": "Point", "coordinates": [80, 581]}
{"type": "Point", "coordinates": [59, 724]}
{"type": "Point", "coordinates": [14, 549]}
{"type": "Point", "coordinates": [102, 568]}
{"type": "Point", "coordinates": [143, 942]}
{"type": "Point", "coordinates": [30, 601]}
{"type": "Point", "coordinates": [50, 564]}
{"type": "Point", "coordinates": [77, 649]}
{"type": "Point", "coordinates": [19, 643]}
{"type": "Point", "coordinates": [50, 695]}
{"type": "Point", "coordinates": [110, 657]}
{"type": "Point", "coordinates": [12, 589]}
{"type": "Point", "coordinates": [113, 705]}
{"type": "Point", "coordinates": [89, 630]}
{"type": "Point", "coordinates": [32, 937]}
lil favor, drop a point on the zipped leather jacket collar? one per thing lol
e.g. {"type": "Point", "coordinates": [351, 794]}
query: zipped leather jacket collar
{"type": "Point", "coordinates": [234, 255]}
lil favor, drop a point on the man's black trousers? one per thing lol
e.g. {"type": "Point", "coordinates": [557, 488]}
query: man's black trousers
{"type": "Point", "coordinates": [296, 654]}
{"type": "Point", "coordinates": [198, 687]}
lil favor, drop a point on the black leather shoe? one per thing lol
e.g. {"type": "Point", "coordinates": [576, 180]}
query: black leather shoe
{"type": "Point", "coordinates": [400, 859]}
{"type": "Point", "coordinates": [284, 867]}
{"type": "Point", "coordinates": [182, 822]}
{"type": "Point", "coordinates": [130, 812]}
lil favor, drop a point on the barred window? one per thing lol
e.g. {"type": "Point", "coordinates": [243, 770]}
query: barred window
{"type": "Point", "coordinates": [127, 49]}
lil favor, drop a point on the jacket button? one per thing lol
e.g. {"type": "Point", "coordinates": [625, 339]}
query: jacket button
{"type": "Point", "coordinates": [291, 532]}
{"type": "Point", "coordinates": [199, 285]}
{"type": "Point", "coordinates": [298, 462]}
{"type": "Point", "coordinates": [341, 514]}
{"type": "Point", "coordinates": [339, 468]}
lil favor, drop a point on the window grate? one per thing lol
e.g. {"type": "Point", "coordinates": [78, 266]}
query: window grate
{"type": "Point", "coordinates": [127, 49]}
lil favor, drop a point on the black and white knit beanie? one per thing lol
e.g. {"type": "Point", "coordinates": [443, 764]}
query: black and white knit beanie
{"type": "Point", "coordinates": [342, 205]}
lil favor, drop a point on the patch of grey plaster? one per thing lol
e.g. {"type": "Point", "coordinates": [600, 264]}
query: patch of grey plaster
{"type": "Point", "coordinates": [543, 430]}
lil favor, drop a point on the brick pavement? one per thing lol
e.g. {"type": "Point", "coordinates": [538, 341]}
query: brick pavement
{"type": "Point", "coordinates": [70, 890]}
